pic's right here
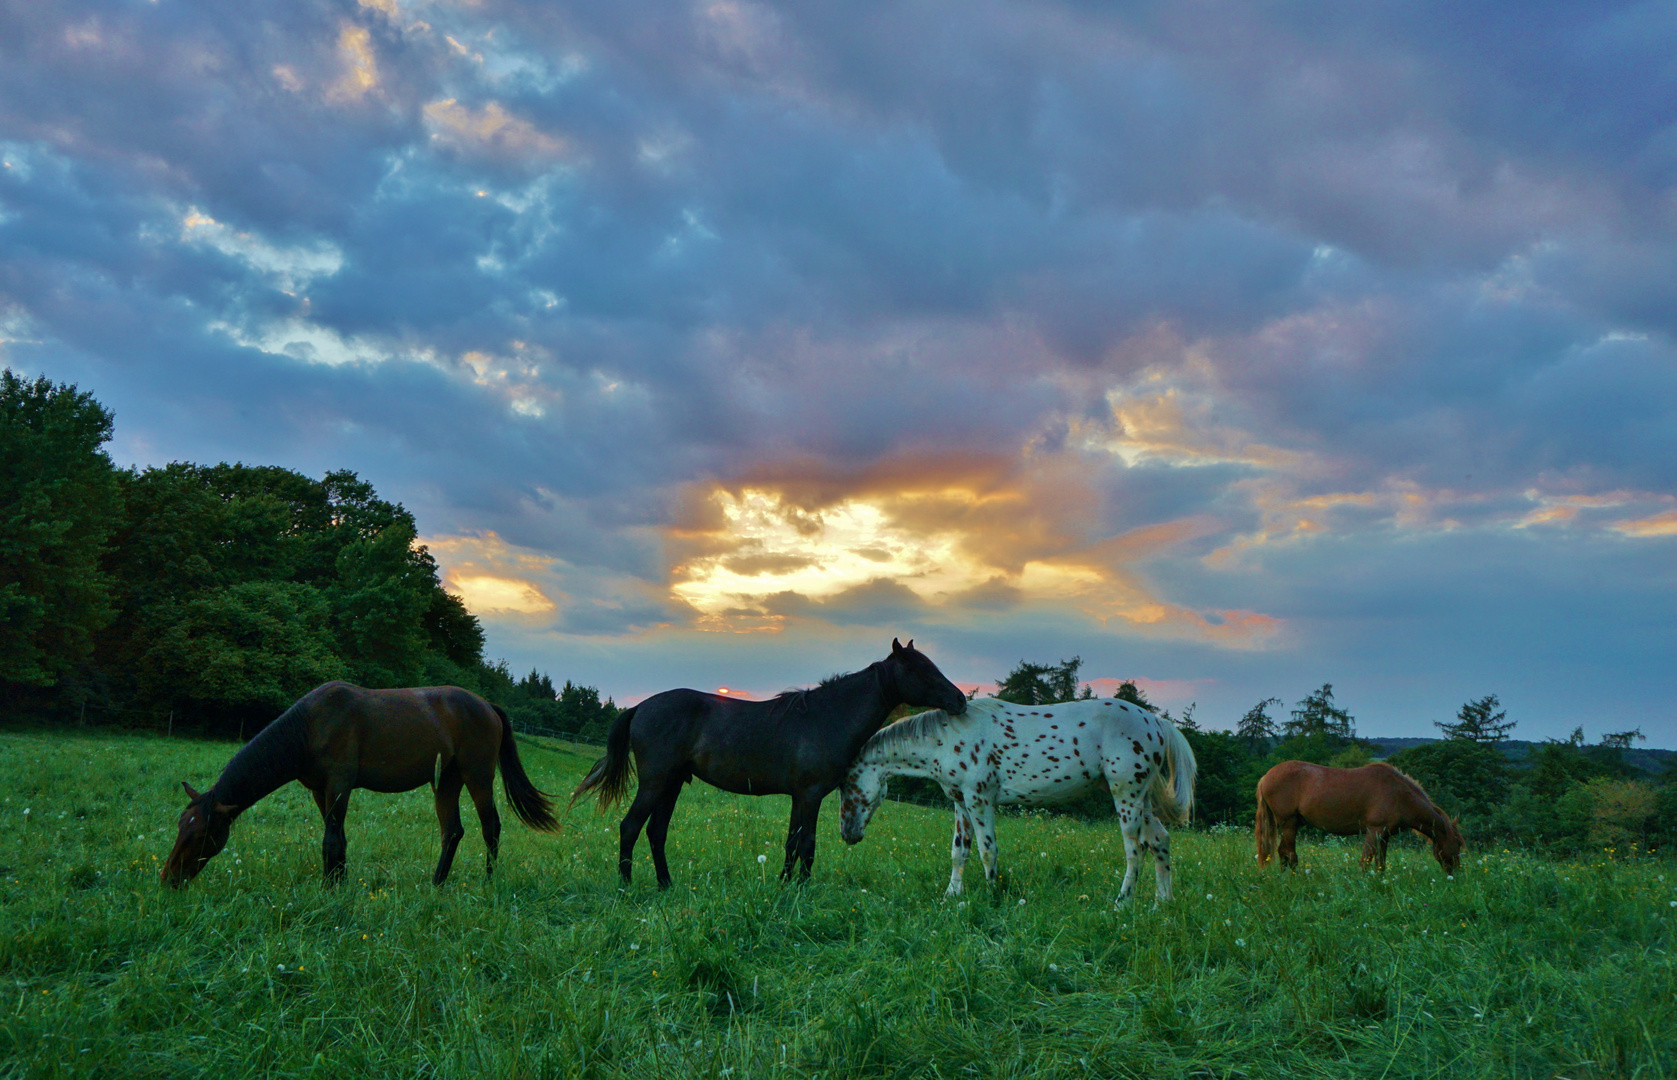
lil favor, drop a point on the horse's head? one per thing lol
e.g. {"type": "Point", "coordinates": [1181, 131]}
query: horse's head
{"type": "Point", "coordinates": [1447, 846]}
{"type": "Point", "coordinates": [204, 826]}
{"type": "Point", "coordinates": [862, 791]}
{"type": "Point", "coordinates": [918, 681]}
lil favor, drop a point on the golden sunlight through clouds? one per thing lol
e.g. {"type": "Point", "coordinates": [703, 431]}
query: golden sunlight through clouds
{"type": "Point", "coordinates": [763, 549]}
{"type": "Point", "coordinates": [492, 576]}
{"type": "Point", "coordinates": [775, 548]}
{"type": "Point", "coordinates": [484, 592]}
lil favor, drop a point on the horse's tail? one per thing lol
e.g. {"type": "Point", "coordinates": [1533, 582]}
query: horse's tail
{"type": "Point", "coordinates": [532, 806]}
{"type": "Point", "coordinates": [610, 775]}
{"type": "Point", "coordinates": [1263, 830]}
{"type": "Point", "coordinates": [1173, 786]}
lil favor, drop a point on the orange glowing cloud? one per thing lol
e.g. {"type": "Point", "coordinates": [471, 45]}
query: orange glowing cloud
{"type": "Point", "coordinates": [946, 534]}
{"type": "Point", "coordinates": [1662, 524]}
{"type": "Point", "coordinates": [492, 577]}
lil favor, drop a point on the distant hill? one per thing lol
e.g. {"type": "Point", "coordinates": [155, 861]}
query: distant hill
{"type": "Point", "coordinates": [1644, 758]}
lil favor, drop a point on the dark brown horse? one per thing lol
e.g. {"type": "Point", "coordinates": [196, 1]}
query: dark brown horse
{"type": "Point", "coordinates": [797, 744]}
{"type": "Point", "coordinates": [1375, 800]}
{"type": "Point", "coordinates": [339, 737]}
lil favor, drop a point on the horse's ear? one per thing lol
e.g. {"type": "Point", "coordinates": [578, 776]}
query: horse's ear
{"type": "Point", "coordinates": [226, 811]}
{"type": "Point", "coordinates": [190, 793]}
{"type": "Point", "coordinates": [909, 646]}
{"type": "Point", "coordinates": [896, 646]}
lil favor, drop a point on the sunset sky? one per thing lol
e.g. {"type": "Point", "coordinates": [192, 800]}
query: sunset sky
{"type": "Point", "coordinates": [1234, 348]}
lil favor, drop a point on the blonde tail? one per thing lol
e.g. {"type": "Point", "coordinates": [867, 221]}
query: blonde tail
{"type": "Point", "coordinates": [1173, 786]}
{"type": "Point", "coordinates": [1263, 831]}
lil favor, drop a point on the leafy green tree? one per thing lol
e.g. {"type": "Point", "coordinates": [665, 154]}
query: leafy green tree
{"type": "Point", "coordinates": [452, 631]}
{"type": "Point", "coordinates": [378, 603]}
{"type": "Point", "coordinates": [1467, 777]}
{"type": "Point", "coordinates": [1622, 740]}
{"type": "Point", "coordinates": [1221, 795]}
{"type": "Point", "coordinates": [59, 500]}
{"type": "Point", "coordinates": [1256, 728]}
{"type": "Point", "coordinates": [243, 652]}
{"type": "Point", "coordinates": [193, 532]}
{"type": "Point", "coordinates": [1042, 684]}
{"type": "Point", "coordinates": [1479, 721]}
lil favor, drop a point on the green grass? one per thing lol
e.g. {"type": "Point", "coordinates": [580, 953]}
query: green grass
{"type": "Point", "coordinates": [1520, 967]}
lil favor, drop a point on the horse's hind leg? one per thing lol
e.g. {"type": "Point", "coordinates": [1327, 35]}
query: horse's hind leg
{"type": "Point", "coordinates": [483, 797]}
{"type": "Point", "coordinates": [1288, 848]}
{"type": "Point", "coordinates": [1159, 840]}
{"type": "Point", "coordinates": [646, 799]}
{"type": "Point", "coordinates": [448, 819]}
{"type": "Point", "coordinates": [981, 813]}
{"type": "Point", "coordinates": [1129, 823]}
{"type": "Point", "coordinates": [658, 827]}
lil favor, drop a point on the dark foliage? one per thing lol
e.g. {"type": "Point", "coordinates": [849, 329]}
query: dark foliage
{"type": "Point", "coordinates": [58, 499]}
{"type": "Point", "coordinates": [213, 596]}
{"type": "Point", "coordinates": [1042, 684]}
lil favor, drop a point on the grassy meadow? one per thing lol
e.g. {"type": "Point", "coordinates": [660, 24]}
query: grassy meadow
{"type": "Point", "coordinates": [1518, 968]}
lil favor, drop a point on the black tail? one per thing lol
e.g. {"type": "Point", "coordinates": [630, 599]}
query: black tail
{"type": "Point", "coordinates": [611, 773]}
{"type": "Point", "coordinates": [531, 806]}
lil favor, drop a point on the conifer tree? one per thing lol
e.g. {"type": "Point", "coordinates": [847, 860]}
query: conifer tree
{"type": "Point", "coordinates": [1318, 715]}
{"type": "Point", "coordinates": [1479, 721]}
{"type": "Point", "coordinates": [1256, 728]}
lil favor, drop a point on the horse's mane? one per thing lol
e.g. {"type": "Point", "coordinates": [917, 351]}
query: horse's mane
{"type": "Point", "coordinates": [797, 699]}
{"type": "Point", "coordinates": [1416, 784]}
{"type": "Point", "coordinates": [921, 725]}
{"type": "Point", "coordinates": [273, 756]}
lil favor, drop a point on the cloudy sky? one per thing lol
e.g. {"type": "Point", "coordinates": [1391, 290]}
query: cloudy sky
{"type": "Point", "coordinates": [1233, 348]}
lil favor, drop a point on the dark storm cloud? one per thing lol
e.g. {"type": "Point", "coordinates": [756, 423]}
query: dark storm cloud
{"type": "Point", "coordinates": [553, 272]}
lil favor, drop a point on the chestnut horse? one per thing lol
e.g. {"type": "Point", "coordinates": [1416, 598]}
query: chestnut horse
{"type": "Point", "coordinates": [339, 737]}
{"type": "Point", "coordinates": [1375, 800]}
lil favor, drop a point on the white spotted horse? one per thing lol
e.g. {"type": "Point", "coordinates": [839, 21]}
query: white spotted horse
{"type": "Point", "coordinates": [999, 753]}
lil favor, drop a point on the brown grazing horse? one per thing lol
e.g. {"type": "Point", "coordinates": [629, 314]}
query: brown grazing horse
{"type": "Point", "coordinates": [1375, 800]}
{"type": "Point", "coordinates": [339, 737]}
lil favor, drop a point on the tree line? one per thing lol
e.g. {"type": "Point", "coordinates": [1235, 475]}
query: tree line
{"type": "Point", "coordinates": [210, 597]}
{"type": "Point", "coordinates": [1566, 796]}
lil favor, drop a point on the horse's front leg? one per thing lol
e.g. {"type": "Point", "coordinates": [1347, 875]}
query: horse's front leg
{"type": "Point", "coordinates": [334, 803]}
{"type": "Point", "coordinates": [800, 835]}
{"type": "Point", "coordinates": [1380, 856]}
{"type": "Point", "coordinates": [959, 848]}
{"type": "Point", "coordinates": [1371, 843]}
